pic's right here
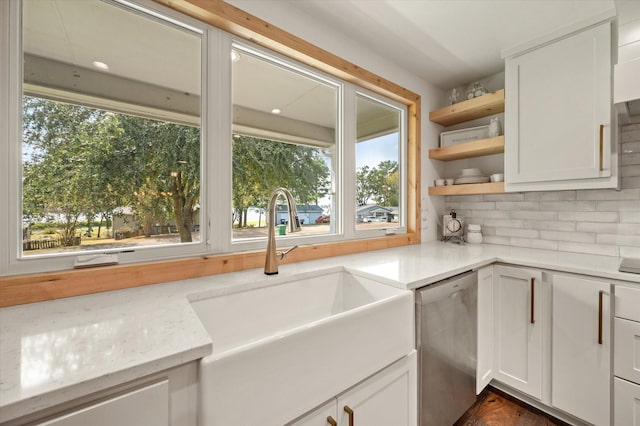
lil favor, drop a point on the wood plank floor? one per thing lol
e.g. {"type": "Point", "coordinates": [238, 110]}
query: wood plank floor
{"type": "Point", "coordinates": [495, 408]}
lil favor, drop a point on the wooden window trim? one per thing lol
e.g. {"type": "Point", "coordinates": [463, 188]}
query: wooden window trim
{"type": "Point", "coordinates": [29, 288]}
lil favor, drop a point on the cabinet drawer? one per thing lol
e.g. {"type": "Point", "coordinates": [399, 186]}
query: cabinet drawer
{"type": "Point", "coordinates": [628, 302]}
{"type": "Point", "coordinates": [147, 406]}
{"type": "Point", "coordinates": [626, 403]}
{"type": "Point", "coordinates": [627, 349]}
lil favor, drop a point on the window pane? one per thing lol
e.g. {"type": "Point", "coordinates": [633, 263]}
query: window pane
{"type": "Point", "coordinates": [284, 124]}
{"type": "Point", "coordinates": [111, 146]}
{"type": "Point", "coordinates": [377, 165]}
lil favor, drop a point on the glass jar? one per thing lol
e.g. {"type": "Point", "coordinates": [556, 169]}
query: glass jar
{"type": "Point", "coordinates": [474, 234]}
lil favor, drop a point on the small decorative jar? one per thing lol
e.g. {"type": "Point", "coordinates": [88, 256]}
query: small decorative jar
{"type": "Point", "coordinates": [495, 129]}
{"type": "Point", "coordinates": [474, 234]}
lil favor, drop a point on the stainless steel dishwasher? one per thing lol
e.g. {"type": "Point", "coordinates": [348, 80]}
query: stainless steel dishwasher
{"type": "Point", "coordinates": [446, 336]}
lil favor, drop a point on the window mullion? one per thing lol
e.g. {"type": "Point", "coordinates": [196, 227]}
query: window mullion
{"type": "Point", "coordinates": [348, 165]}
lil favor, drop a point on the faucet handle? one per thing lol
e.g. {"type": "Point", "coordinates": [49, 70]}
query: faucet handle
{"type": "Point", "coordinates": [283, 254]}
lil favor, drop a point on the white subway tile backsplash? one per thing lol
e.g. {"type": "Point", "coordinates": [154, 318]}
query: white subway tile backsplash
{"type": "Point", "coordinates": [613, 206]}
{"type": "Point", "coordinates": [609, 228]}
{"type": "Point", "coordinates": [492, 239]}
{"type": "Point", "coordinates": [630, 171]}
{"type": "Point", "coordinates": [630, 159]}
{"type": "Point", "coordinates": [516, 196]}
{"type": "Point", "coordinates": [517, 205]}
{"type": "Point", "coordinates": [609, 194]}
{"type": "Point", "coordinates": [630, 252]}
{"type": "Point", "coordinates": [477, 205]}
{"type": "Point", "coordinates": [505, 223]}
{"type": "Point", "coordinates": [516, 232]}
{"type": "Point", "coordinates": [630, 217]}
{"type": "Point", "coordinates": [589, 216]}
{"type": "Point", "coordinates": [550, 196]}
{"type": "Point", "coordinates": [488, 214]}
{"type": "Point", "coordinates": [549, 225]}
{"type": "Point", "coordinates": [605, 250]}
{"type": "Point", "coordinates": [582, 206]}
{"type": "Point", "coordinates": [630, 182]}
{"type": "Point", "coordinates": [535, 215]}
{"type": "Point", "coordinates": [465, 198]}
{"type": "Point", "coordinates": [534, 243]}
{"type": "Point", "coordinates": [576, 237]}
{"type": "Point", "coordinates": [620, 240]}
{"type": "Point", "coordinates": [630, 136]}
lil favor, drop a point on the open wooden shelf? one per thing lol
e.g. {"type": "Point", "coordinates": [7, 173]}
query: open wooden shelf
{"type": "Point", "coordinates": [482, 106]}
{"type": "Point", "coordinates": [469, 149]}
{"type": "Point", "coordinates": [470, 189]}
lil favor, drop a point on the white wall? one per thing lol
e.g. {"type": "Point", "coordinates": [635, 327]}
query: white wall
{"type": "Point", "coordinates": [288, 18]}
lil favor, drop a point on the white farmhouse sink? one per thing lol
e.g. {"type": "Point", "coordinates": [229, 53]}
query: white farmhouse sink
{"type": "Point", "coordinates": [280, 350]}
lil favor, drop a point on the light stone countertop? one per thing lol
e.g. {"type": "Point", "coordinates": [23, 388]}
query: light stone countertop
{"type": "Point", "coordinates": [57, 351]}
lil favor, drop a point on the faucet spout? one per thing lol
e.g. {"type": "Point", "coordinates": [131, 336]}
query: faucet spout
{"type": "Point", "coordinates": [271, 260]}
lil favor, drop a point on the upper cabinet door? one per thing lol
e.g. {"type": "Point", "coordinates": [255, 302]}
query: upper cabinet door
{"type": "Point", "coordinates": [558, 124]}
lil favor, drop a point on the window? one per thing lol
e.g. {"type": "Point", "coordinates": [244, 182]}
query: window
{"type": "Point", "coordinates": [285, 134]}
{"type": "Point", "coordinates": [146, 133]}
{"type": "Point", "coordinates": [378, 164]}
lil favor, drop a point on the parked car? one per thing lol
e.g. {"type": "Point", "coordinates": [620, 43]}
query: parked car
{"type": "Point", "coordinates": [368, 219]}
{"type": "Point", "coordinates": [325, 218]}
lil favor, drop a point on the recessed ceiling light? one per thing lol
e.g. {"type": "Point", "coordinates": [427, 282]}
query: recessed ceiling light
{"type": "Point", "coordinates": [100, 65]}
{"type": "Point", "coordinates": [275, 111]}
{"type": "Point", "coordinates": [235, 56]}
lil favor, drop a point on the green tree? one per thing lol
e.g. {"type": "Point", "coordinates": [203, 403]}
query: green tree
{"type": "Point", "coordinates": [86, 162]}
{"type": "Point", "coordinates": [260, 166]}
{"type": "Point", "coordinates": [162, 161]}
{"type": "Point", "coordinates": [379, 184]}
{"type": "Point", "coordinates": [59, 168]}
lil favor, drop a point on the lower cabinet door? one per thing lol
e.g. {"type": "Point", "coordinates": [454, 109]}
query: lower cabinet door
{"type": "Point", "coordinates": [626, 403]}
{"type": "Point", "coordinates": [518, 328]}
{"type": "Point", "coordinates": [325, 415]}
{"type": "Point", "coordinates": [148, 406]}
{"type": "Point", "coordinates": [387, 398]}
{"type": "Point", "coordinates": [581, 348]}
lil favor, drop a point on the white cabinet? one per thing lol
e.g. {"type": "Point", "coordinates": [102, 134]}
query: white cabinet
{"type": "Point", "coordinates": [147, 406]}
{"type": "Point", "coordinates": [518, 328]}
{"type": "Point", "coordinates": [627, 403]}
{"type": "Point", "coordinates": [581, 348]}
{"type": "Point", "coordinates": [165, 398]}
{"type": "Point", "coordinates": [626, 365]}
{"type": "Point", "coordinates": [485, 327]}
{"type": "Point", "coordinates": [325, 415]}
{"type": "Point", "coordinates": [387, 398]}
{"type": "Point", "coordinates": [559, 119]}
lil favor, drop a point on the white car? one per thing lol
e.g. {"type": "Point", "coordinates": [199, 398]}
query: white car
{"type": "Point", "coordinates": [368, 219]}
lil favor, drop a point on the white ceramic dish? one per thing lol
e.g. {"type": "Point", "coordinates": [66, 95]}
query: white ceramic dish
{"type": "Point", "coordinates": [470, 172]}
{"type": "Point", "coordinates": [497, 177]}
{"type": "Point", "coordinates": [471, 179]}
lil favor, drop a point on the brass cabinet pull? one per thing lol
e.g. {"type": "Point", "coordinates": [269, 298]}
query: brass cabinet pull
{"type": "Point", "coordinates": [349, 411]}
{"type": "Point", "coordinates": [601, 147]}
{"type": "Point", "coordinates": [533, 298]}
{"type": "Point", "coordinates": [332, 421]}
{"type": "Point", "coordinates": [600, 316]}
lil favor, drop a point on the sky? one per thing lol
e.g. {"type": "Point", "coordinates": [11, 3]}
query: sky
{"type": "Point", "coordinates": [372, 152]}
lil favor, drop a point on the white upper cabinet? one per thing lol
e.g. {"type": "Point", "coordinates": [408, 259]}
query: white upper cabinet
{"type": "Point", "coordinates": [559, 123]}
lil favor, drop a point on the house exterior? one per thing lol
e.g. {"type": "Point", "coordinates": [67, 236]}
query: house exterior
{"type": "Point", "coordinates": [381, 213]}
{"type": "Point", "coordinates": [307, 213]}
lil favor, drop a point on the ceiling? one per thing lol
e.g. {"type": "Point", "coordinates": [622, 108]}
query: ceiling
{"type": "Point", "coordinates": [446, 42]}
